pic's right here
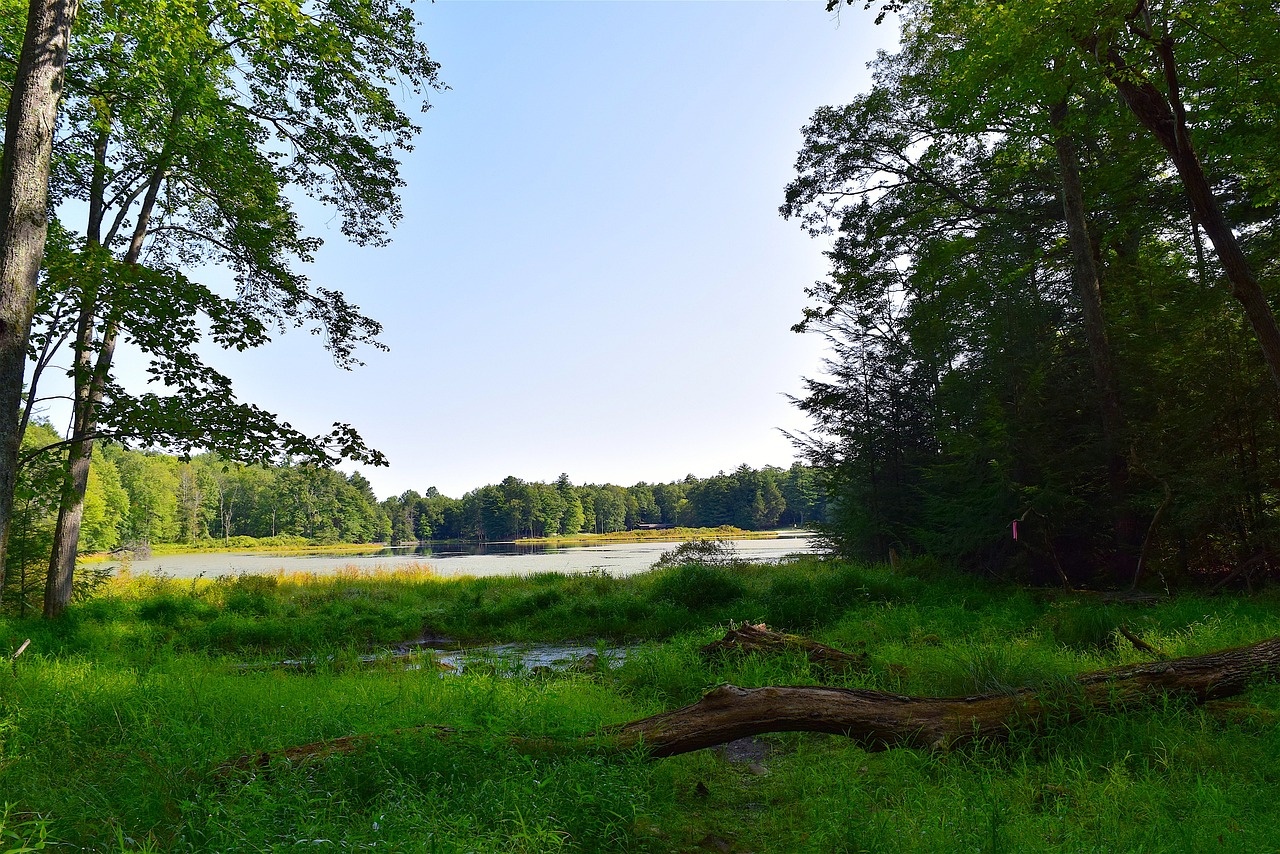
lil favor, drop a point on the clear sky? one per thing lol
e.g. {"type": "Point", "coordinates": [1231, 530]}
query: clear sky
{"type": "Point", "coordinates": [591, 275]}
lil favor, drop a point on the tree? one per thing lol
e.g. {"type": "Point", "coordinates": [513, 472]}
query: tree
{"type": "Point", "coordinates": [186, 126]}
{"type": "Point", "coordinates": [24, 200]}
{"type": "Point", "coordinates": [1011, 267]}
{"type": "Point", "coordinates": [1137, 45]}
{"type": "Point", "coordinates": [610, 503]}
{"type": "Point", "coordinates": [573, 519]}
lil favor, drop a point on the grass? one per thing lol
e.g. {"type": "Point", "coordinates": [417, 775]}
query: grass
{"type": "Point", "coordinates": [113, 723]}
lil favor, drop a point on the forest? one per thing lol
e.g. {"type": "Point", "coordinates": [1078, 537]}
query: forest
{"type": "Point", "coordinates": [1043, 454]}
{"type": "Point", "coordinates": [1055, 233]}
{"type": "Point", "coordinates": [140, 498]}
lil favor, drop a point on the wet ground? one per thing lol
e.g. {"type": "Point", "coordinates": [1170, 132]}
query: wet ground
{"type": "Point", "coordinates": [508, 659]}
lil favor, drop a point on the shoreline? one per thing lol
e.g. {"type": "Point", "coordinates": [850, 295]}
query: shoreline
{"type": "Point", "coordinates": [674, 535]}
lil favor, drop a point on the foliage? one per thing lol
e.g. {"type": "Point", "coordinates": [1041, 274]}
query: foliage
{"type": "Point", "coordinates": [703, 552]}
{"type": "Point", "coordinates": [747, 499]}
{"type": "Point", "coordinates": [963, 391]}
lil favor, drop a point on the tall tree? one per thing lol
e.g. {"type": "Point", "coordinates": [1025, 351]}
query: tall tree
{"type": "Point", "coordinates": [1137, 47]}
{"type": "Point", "coordinates": [187, 124]}
{"type": "Point", "coordinates": [961, 300]}
{"type": "Point", "coordinates": [24, 201]}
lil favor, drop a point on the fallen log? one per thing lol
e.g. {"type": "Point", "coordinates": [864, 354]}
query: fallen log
{"type": "Point", "coordinates": [880, 720]}
{"type": "Point", "coordinates": [877, 719]}
{"type": "Point", "coordinates": [748, 638]}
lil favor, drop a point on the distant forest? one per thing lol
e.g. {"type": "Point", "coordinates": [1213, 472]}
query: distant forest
{"type": "Point", "coordinates": [148, 497]}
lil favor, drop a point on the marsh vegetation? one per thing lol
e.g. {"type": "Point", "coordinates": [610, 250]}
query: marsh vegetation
{"type": "Point", "coordinates": [116, 720]}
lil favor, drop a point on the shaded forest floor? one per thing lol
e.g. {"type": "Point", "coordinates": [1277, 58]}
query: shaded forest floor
{"type": "Point", "coordinates": [115, 720]}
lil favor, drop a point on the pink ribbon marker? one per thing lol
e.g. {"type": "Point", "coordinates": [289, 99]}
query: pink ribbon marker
{"type": "Point", "coordinates": [1015, 529]}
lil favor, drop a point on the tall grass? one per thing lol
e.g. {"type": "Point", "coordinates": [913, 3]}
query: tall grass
{"type": "Point", "coordinates": [114, 727]}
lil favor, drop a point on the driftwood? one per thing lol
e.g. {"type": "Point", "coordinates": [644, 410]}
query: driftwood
{"type": "Point", "coordinates": [878, 720]}
{"type": "Point", "coordinates": [748, 638]}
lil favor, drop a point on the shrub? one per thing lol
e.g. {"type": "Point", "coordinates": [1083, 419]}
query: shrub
{"type": "Point", "coordinates": [796, 603]}
{"type": "Point", "coordinates": [704, 552]}
{"type": "Point", "coordinates": [696, 586]}
{"type": "Point", "coordinates": [168, 609]}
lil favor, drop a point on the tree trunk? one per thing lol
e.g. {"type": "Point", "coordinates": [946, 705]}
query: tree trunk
{"type": "Point", "coordinates": [24, 202]}
{"type": "Point", "coordinates": [66, 536]}
{"type": "Point", "coordinates": [1163, 115]}
{"type": "Point", "coordinates": [89, 391]}
{"type": "Point", "coordinates": [878, 720]}
{"type": "Point", "coordinates": [1089, 289]}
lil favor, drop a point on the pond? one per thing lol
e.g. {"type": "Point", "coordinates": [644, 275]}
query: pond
{"type": "Point", "coordinates": [464, 559]}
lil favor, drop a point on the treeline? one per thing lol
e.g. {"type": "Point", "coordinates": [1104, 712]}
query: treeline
{"type": "Point", "coordinates": [139, 497]}
{"type": "Point", "coordinates": [751, 499]}
{"type": "Point", "coordinates": [1054, 233]}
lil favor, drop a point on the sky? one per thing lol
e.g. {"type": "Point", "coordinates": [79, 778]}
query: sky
{"type": "Point", "coordinates": [591, 275]}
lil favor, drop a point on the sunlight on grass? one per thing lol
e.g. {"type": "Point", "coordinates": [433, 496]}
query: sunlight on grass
{"type": "Point", "coordinates": [113, 730]}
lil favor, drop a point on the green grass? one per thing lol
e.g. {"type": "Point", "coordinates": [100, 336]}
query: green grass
{"type": "Point", "coordinates": [114, 722]}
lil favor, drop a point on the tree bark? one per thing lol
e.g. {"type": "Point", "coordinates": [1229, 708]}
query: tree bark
{"type": "Point", "coordinates": [24, 203]}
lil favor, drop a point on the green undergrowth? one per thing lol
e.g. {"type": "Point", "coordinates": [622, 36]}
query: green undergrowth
{"type": "Point", "coordinates": [115, 721]}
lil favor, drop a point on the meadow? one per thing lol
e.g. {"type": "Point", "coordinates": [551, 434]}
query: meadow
{"type": "Point", "coordinates": [117, 722]}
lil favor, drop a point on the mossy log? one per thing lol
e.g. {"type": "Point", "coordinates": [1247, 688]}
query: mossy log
{"type": "Point", "coordinates": [748, 638]}
{"type": "Point", "coordinates": [880, 720]}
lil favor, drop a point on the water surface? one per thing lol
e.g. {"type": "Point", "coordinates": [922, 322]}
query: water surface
{"type": "Point", "coordinates": [464, 559]}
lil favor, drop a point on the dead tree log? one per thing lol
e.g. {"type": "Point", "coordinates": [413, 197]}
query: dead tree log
{"type": "Point", "coordinates": [748, 638]}
{"type": "Point", "coordinates": [880, 720]}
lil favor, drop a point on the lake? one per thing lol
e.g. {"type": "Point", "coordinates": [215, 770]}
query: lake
{"type": "Point", "coordinates": [464, 559]}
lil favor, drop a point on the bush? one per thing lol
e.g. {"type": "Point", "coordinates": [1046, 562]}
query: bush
{"type": "Point", "coordinates": [251, 595]}
{"type": "Point", "coordinates": [167, 609]}
{"type": "Point", "coordinates": [796, 603]}
{"type": "Point", "coordinates": [704, 552]}
{"type": "Point", "coordinates": [696, 586]}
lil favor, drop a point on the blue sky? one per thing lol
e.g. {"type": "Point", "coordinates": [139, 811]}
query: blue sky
{"type": "Point", "coordinates": [591, 275]}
